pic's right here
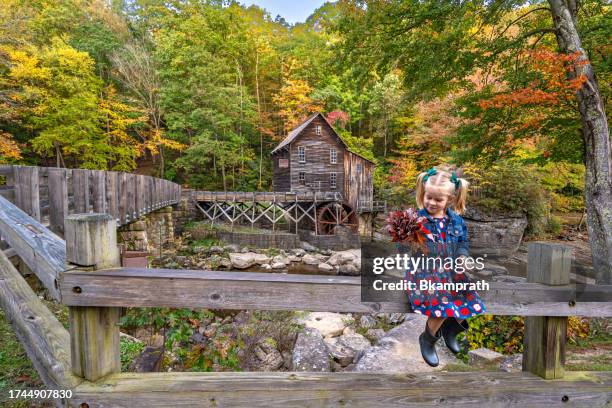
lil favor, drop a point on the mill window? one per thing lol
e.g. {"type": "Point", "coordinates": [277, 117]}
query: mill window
{"type": "Point", "coordinates": [333, 156]}
{"type": "Point", "coordinates": [302, 177]}
{"type": "Point", "coordinates": [332, 180]}
{"type": "Point", "coordinates": [318, 129]}
{"type": "Point", "coordinates": [301, 154]}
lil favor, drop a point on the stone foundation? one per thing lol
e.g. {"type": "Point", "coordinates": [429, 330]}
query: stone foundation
{"type": "Point", "coordinates": [342, 240]}
{"type": "Point", "coordinates": [148, 232]}
{"type": "Point", "coordinates": [259, 240]}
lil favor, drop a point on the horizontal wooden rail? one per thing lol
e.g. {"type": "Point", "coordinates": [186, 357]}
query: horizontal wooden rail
{"type": "Point", "coordinates": [300, 389]}
{"type": "Point", "coordinates": [41, 250]}
{"type": "Point", "coordinates": [46, 341]}
{"type": "Point", "coordinates": [268, 291]}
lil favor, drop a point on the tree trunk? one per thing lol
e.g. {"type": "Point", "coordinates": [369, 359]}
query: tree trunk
{"type": "Point", "coordinates": [162, 162]}
{"type": "Point", "coordinates": [259, 119]}
{"type": "Point", "coordinates": [596, 135]}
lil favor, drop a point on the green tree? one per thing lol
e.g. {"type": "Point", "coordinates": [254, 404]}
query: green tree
{"type": "Point", "coordinates": [439, 45]}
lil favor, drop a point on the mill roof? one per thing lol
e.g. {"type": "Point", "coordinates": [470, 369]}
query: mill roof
{"type": "Point", "coordinates": [296, 132]}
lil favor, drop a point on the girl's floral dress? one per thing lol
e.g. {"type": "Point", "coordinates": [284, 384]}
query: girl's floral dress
{"type": "Point", "coordinates": [443, 240]}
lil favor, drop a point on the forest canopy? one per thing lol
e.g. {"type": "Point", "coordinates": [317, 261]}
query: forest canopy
{"type": "Point", "coordinates": [200, 92]}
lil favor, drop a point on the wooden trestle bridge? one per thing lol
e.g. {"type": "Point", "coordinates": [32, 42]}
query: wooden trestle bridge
{"type": "Point", "coordinates": [320, 211]}
{"type": "Point", "coordinates": [82, 272]}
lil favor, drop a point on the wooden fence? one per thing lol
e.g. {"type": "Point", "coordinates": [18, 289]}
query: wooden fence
{"type": "Point", "coordinates": [85, 359]}
{"type": "Point", "coordinates": [50, 194]}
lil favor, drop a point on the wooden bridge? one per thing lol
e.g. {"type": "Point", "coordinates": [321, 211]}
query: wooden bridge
{"type": "Point", "coordinates": [50, 194]}
{"type": "Point", "coordinates": [320, 211]}
{"type": "Point", "coordinates": [83, 273]}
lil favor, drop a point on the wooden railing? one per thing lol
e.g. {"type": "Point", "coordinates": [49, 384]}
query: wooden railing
{"type": "Point", "coordinates": [94, 288]}
{"type": "Point", "coordinates": [50, 194]}
{"type": "Point", "coordinates": [371, 206]}
{"type": "Point", "coordinates": [265, 196]}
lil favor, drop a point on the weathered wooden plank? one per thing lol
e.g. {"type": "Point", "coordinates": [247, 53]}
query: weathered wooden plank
{"type": "Point", "coordinates": [98, 181]}
{"type": "Point", "coordinates": [140, 195]}
{"type": "Point", "coordinates": [91, 240]}
{"type": "Point", "coordinates": [130, 210]}
{"type": "Point", "coordinates": [94, 333]}
{"type": "Point", "coordinates": [251, 290]}
{"type": "Point", "coordinates": [58, 199]}
{"type": "Point", "coordinates": [43, 337]}
{"type": "Point", "coordinates": [8, 192]}
{"type": "Point", "coordinates": [80, 190]}
{"type": "Point", "coordinates": [27, 190]}
{"type": "Point", "coordinates": [549, 263]}
{"type": "Point", "coordinates": [545, 336]}
{"type": "Point", "coordinates": [301, 389]}
{"type": "Point", "coordinates": [112, 198]}
{"type": "Point", "coordinates": [6, 170]}
{"type": "Point", "coordinates": [123, 199]}
{"type": "Point", "coordinates": [158, 190]}
{"type": "Point", "coordinates": [42, 251]}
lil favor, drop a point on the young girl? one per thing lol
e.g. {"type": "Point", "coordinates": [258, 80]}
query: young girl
{"type": "Point", "coordinates": [441, 197]}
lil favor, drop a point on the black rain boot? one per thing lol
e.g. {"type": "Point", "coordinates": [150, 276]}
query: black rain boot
{"type": "Point", "coordinates": [428, 346]}
{"type": "Point", "coordinates": [450, 329]}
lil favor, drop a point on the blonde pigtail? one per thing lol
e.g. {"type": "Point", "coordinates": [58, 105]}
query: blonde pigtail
{"type": "Point", "coordinates": [461, 195]}
{"type": "Point", "coordinates": [420, 190]}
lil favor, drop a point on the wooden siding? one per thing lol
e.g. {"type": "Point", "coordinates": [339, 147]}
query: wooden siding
{"type": "Point", "coordinates": [281, 178]}
{"type": "Point", "coordinates": [317, 167]}
{"type": "Point", "coordinates": [358, 181]}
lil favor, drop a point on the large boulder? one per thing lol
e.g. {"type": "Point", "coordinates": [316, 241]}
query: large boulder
{"type": "Point", "coordinates": [149, 361]}
{"type": "Point", "coordinates": [349, 269]}
{"type": "Point", "coordinates": [326, 323]}
{"type": "Point", "coordinates": [347, 347]}
{"type": "Point", "coordinates": [269, 358]}
{"type": "Point", "coordinates": [494, 234]}
{"type": "Point", "coordinates": [281, 259]}
{"type": "Point", "coordinates": [325, 267]}
{"type": "Point", "coordinates": [247, 259]}
{"type": "Point", "coordinates": [310, 259]}
{"type": "Point", "coordinates": [398, 350]}
{"type": "Point", "coordinates": [343, 257]}
{"type": "Point", "coordinates": [310, 352]}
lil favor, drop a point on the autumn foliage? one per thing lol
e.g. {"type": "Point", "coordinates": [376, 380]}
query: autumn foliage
{"type": "Point", "coordinates": [551, 85]}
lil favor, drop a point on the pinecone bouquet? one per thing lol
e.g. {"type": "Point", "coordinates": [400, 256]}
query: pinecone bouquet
{"type": "Point", "coordinates": [404, 226]}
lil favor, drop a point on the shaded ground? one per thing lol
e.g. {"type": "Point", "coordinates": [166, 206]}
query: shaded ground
{"type": "Point", "coordinates": [16, 370]}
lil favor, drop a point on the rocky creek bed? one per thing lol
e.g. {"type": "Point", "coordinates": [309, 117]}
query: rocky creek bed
{"type": "Point", "coordinates": [227, 340]}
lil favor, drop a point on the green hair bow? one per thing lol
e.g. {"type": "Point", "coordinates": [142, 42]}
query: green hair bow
{"type": "Point", "coordinates": [430, 172]}
{"type": "Point", "coordinates": [455, 180]}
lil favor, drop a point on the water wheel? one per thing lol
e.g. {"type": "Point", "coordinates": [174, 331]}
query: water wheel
{"type": "Point", "coordinates": [331, 215]}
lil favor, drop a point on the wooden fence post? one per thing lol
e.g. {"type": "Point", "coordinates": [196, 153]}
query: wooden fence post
{"type": "Point", "coordinates": [91, 242]}
{"type": "Point", "coordinates": [99, 191]}
{"type": "Point", "coordinates": [80, 190]}
{"type": "Point", "coordinates": [545, 336]}
{"type": "Point", "coordinates": [57, 179]}
{"type": "Point", "coordinates": [27, 195]}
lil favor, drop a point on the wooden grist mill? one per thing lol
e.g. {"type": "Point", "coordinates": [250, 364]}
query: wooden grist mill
{"type": "Point", "coordinates": [319, 184]}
